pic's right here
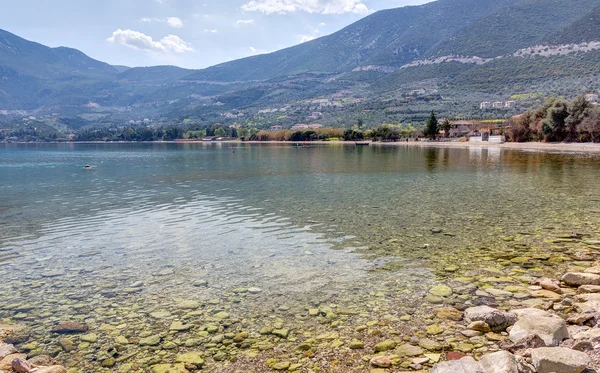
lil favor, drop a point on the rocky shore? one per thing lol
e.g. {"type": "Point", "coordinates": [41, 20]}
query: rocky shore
{"type": "Point", "coordinates": [561, 335]}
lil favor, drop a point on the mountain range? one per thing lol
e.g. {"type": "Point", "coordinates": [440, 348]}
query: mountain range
{"type": "Point", "coordinates": [446, 55]}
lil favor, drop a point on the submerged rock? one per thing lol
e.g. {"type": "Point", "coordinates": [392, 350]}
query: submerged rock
{"type": "Point", "coordinates": [70, 328]}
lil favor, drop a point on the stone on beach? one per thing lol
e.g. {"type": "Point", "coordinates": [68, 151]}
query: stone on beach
{"type": "Point", "coordinates": [580, 278]}
{"type": "Point", "coordinates": [381, 361]}
{"type": "Point", "coordinates": [21, 365]}
{"type": "Point", "coordinates": [500, 362]}
{"type": "Point", "coordinates": [6, 349]}
{"type": "Point", "coordinates": [464, 365]}
{"type": "Point", "coordinates": [559, 360]}
{"type": "Point", "coordinates": [497, 320]}
{"type": "Point", "coordinates": [551, 329]}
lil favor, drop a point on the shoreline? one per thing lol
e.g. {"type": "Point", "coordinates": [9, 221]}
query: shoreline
{"type": "Point", "coordinates": [523, 146]}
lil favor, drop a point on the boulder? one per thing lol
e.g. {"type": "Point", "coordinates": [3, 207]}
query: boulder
{"type": "Point", "coordinates": [535, 312]}
{"type": "Point", "coordinates": [559, 360]}
{"type": "Point", "coordinates": [586, 289]}
{"type": "Point", "coordinates": [464, 365]}
{"type": "Point", "coordinates": [499, 362]}
{"type": "Point", "coordinates": [580, 278]}
{"type": "Point", "coordinates": [70, 328]}
{"type": "Point", "coordinates": [532, 341]}
{"type": "Point", "coordinates": [21, 365]}
{"type": "Point", "coordinates": [496, 319]}
{"type": "Point", "coordinates": [591, 334]}
{"type": "Point", "coordinates": [552, 330]}
{"type": "Point", "coordinates": [6, 349]}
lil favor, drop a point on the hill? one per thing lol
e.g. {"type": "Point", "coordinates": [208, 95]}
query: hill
{"type": "Point", "coordinates": [393, 65]}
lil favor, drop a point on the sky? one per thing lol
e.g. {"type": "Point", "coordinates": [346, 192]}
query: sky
{"type": "Point", "coordinates": [187, 33]}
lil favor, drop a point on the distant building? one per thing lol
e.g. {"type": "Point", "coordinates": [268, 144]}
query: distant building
{"type": "Point", "coordinates": [314, 126]}
{"type": "Point", "coordinates": [510, 104]}
{"type": "Point", "coordinates": [592, 97]}
{"type": "Point", "coordinates": [300, 127]}
{"type": "Point", "coordinates": [497, 105]}
{"type": "Point", "coordinates": [236, 126]}
{"type": "Point", "coordinates": [276, 128]}
{"type": "Point", "coordinates": [485, 105]}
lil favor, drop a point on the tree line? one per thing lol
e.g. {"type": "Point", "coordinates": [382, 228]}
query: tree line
{"type": "Point", "coordinates": [557, 120]}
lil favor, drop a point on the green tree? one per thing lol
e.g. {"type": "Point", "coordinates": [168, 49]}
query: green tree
{"type": "Point", "coordinates": [554, 123]}
{"type": "Point", "coordinates": [446, 126]}
{"type": "Point", "coordinates": [432, 127]}
{"type": "Point", "coordinates": [578, 111]}
{"type": "Point", "coordinates": [220, 132]}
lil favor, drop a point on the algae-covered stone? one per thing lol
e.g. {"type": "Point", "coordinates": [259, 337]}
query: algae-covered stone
{"type": "Point", "coordinates": [152, 340]}
{"type": "Point", "coordinates": [169, 368]}
{"type": "Point", "coordinates": [355, 344]}
{"type": "Point", "coordinates": [193, 358]}
{"type": "Point", "coordinates": [284, 365]}
{"type": "Point", "coordinates": [441, 291]}
{"type": "Point", "coordinates": [410, 350]}
{"type": "Point", "coordinates": [282, 333]}
{"type": "Point", "coordinates": [385, 346]}
{"type": "Point", "coordinates": [178, 326]}
{"type": "Point", "coordinates": [430, 344]}
{"type": "Point", "coordinates": [188, 304]}
{"type": "Point", "coordinates": [91, 338]}
{"type": "Point", "coordinates": [434, 329]}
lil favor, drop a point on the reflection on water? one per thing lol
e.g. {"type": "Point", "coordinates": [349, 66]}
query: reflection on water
{"type": "Point", "coordinates": [361, 229]}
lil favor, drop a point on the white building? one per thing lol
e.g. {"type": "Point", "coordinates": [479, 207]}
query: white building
{"type": "Point", "coordinates": [592, 97]}
{"type": "Point", "coordinates": [498, 105]}
{"type": "Point", "coordinates": [485, 105]}
{"type": "Point", "coordinates": [510, 104]}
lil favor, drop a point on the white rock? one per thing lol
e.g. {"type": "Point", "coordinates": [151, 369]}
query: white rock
{"type": "Point", "coordinates": [592, 334]}
{"type": "Point", "coordinates": [464, 365]}
{"type": "Point", "coordinates": [500, 362]}
{"type": "Point", "coordinates": [535, 312]}
{"type": "Point", "coordinates": [559, 360]}
{"type": "Point", "coordinates": [254, 290]}
{"type": "Point", "coordinates": [552, 330]}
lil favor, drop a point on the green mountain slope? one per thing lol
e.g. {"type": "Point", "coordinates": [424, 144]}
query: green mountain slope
{"type": "Point", "coordinates": [586, 29]}
{"type": "Point", "coordinates": [391, 37]}
{"type": "Point", "coordinates": [520, 25]}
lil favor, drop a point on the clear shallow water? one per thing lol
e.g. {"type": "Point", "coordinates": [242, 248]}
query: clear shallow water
{"type": "Point", "coordinates": [367, 229]}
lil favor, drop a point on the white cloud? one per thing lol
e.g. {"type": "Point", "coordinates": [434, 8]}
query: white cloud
{"type": "Point", "coordinates": [213, 31]}
{"type": "Point", "coordinates": [175, 22]}
{"type": "Point", "coordinates": [309, 6]}
{"type": "Point", "coordinates": [315, 34]}
{"type": "Point", "coordinates": [143, 42]}
{"type": "Point", "coordinates": [240, 22]}
{"type": "Point", "coordinates": [255, 51]}
{"type": "Point", "coordinates": [172, 21]}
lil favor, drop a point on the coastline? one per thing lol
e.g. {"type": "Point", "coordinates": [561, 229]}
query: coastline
{"type": "Point", "coordinates": [528, 146]}
{"type": "Point", "coordinates": [591, 148]}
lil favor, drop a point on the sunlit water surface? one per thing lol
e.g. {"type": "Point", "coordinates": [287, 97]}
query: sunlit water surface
{"type": "Point", "coordinates": [369, 229]}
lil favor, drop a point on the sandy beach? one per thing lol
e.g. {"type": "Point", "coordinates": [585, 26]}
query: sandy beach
{"type": "Point", "coordinates": [526, 146]}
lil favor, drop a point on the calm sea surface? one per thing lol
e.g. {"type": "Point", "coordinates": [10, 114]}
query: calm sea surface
{"type": "Point", "coordinates": [329, 227]}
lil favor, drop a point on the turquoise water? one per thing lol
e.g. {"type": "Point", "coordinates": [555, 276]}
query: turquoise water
{"type": "Point", "coordinates": [368, 229]}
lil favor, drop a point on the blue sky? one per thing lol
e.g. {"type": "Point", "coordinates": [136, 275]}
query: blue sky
{"type": "Point", "coordinates": [187, 33]}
